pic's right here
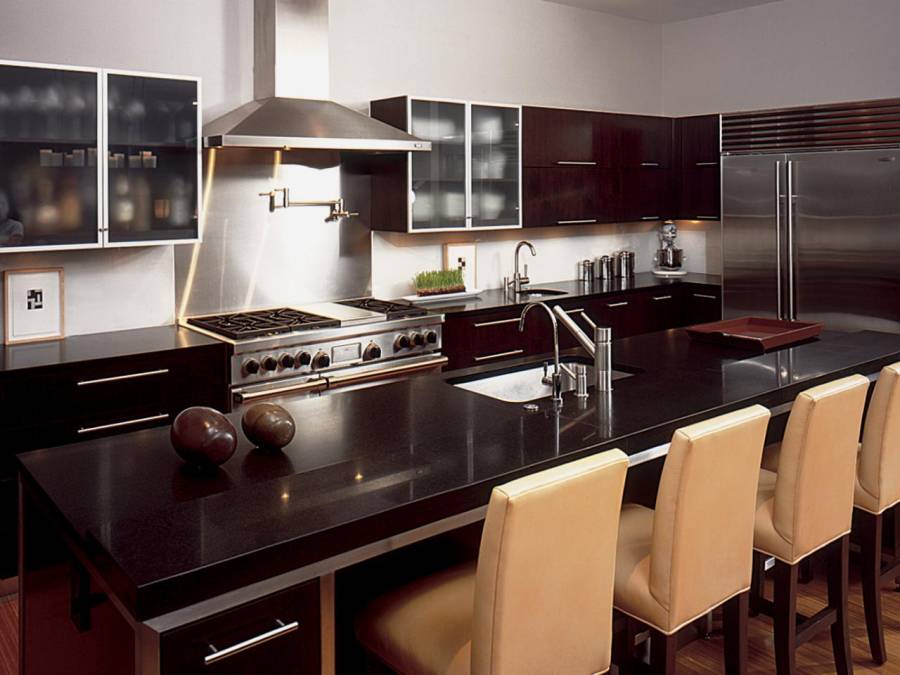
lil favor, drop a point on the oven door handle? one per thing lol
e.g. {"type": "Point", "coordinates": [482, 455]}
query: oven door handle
{"type": "Point", "coordinates": [309, 385]}
{"type": "Point", "coordinates": [384, 373]}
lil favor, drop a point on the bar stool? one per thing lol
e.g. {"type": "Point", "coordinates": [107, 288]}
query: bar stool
{"type": "Point", "coordinates": [877, 491]}
{"type": "Point", "coordinates": [539, 599]}
{"type": "Point", "coordinates": [692, 553]}
{"type": "Point", "coordinates": [805, 507]}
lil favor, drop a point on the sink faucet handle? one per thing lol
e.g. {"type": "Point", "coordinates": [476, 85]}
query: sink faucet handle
{"type": "Point", "coordinates": [588, 320]}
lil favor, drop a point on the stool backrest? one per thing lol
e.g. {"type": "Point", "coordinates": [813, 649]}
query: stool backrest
{"type": "Point", "coordinates": [543, 589]}
{"type": "Point", "coordinates": [879, 460]}
{"type": "Point", "coordinates": [817, 464]}
{"type": "Point", "coordinates": [702, 546]}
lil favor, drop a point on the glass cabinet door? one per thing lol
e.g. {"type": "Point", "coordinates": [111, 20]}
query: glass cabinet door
{"type": "Point", "coordinates": [153, 159]}
{"type": "Point", "coordinates": [495, 166]}
{"type": "Point", "coordinates": [439, 177]}
{"type": "Point", "coordinates": [49, 144]}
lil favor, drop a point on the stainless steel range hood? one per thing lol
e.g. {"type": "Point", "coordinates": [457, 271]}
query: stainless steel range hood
{"type": "Point", "coordinates": [290, 83]}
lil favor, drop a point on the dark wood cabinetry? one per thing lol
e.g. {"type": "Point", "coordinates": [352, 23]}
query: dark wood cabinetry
{"type": "Point", "coordinates": [557, 137]}
{"type": "Point", "coordinates": [697, 153]}
{"type": "Point", "coordinates": [642, 140]}
{"type": "Point", "coordinates": [647, 194]}
{"type": "Point", "coordinates": [570, 195]}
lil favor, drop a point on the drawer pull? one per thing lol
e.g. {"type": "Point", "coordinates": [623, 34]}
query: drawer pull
{"type": "Point", "coordinates": [489, 357]}
{"type": "Point", "coordinates": [707, 218]}
{"type": "Point", "coordinates": [662, 297]}
{"type": "Point", "coordinates": [649, 163]}
{"type": "Point", "coordinates": [222, 654]}
{"type": "Point", "coordinates": [584, 221]}
{"type": "Point", "coordinates": [500, 322]}
{"type": "Point", "coordinates": [126, 423]}
{"type": "Point", "coordinates": [119, 378]}
{"type": "Point", "coordinates": [571, 163]}
{"type": "Point", "coordinates": [650, 218]}
{"type": "Point", "coordinates": [617, 304]}
{"type": "Point", "coordinates": [705, 296]}
{"type": "Point", "coordinates": [577, 310]}
{"type": "Point", "coordinates": [707, 164]}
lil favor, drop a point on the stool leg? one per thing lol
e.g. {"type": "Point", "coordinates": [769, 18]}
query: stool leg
{"type": "Point", "coordinates": [663, 649]}
{"type": "Point", "coordinates": [735, 616]}
{"type": "Point", "coordinates": [805, 574]}
{"type": "Point", "coordinates": [838, 572]}
{"type": "Point", "coordinates": [870, 528]}
{"type": "Point", "coordinates": [757, 581]}
{"type": "Point", "coordinates": [785, 617]}
{"type": "Point", "coordinates": [623, 646]}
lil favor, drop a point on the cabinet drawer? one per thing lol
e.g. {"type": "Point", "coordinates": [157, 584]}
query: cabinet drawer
{"type": "Point", "coordinates": [276, 634]}
{"type": "Point", "coordinates": [496, 337]}
{"type": "Point", "coordinates": [704, 305]}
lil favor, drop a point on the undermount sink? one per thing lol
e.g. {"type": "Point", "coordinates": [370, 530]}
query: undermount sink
{"type": "Point", "coordinates": [540, 292]}
{"type": "Point", "coordinates": [525, 384]}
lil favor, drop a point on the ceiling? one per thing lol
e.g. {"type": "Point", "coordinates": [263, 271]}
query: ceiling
{"type": "Point", "coordinates": [663, 11]}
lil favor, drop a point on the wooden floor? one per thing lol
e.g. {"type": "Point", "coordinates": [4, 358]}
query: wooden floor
{"type": "Point", "coordinates": [701, 657]}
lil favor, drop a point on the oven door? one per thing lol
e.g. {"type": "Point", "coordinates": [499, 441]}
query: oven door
{"type": "Point", "coordinates": [353, 378]}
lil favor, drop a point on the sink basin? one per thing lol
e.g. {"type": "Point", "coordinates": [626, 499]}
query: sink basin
{"type": "Point", "coordinates": [524, 384]}
{"type": "Point", "coordinates": [540, 292]}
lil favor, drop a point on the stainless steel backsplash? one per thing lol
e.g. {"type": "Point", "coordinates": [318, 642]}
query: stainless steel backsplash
{"type": "Point", "coordinates": [250, 258]}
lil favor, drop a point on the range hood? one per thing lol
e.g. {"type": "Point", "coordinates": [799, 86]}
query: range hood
{"type": "Point", "coordinates": [290, 83]}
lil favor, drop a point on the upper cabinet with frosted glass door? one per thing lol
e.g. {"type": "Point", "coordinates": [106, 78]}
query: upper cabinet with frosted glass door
{"type": "Point", "coordinates": [471, 179]}
{"type": "Point", "coordinates": [50, 157]}
{"type": "Point", "coordinates": [92, 158]}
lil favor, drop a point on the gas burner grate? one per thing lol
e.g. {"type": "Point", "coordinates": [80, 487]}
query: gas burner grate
{"type": "Point", "coordinates": [243, 325]}
{"type": "Point", "coordinates": [392, 310]}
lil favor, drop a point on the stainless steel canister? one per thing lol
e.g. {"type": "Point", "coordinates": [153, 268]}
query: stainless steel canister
{"type": "Point", "coordinates": [605, 267]}
{"type": "Point", "coordinates": [627, 263]}
{"type": "Point", "coordinates": [617, 264]}
{"type": "Point", "coordinates": [587, 271]}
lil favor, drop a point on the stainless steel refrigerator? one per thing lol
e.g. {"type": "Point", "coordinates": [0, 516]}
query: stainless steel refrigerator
{"type": "Point", "coordinates": [813, 236]}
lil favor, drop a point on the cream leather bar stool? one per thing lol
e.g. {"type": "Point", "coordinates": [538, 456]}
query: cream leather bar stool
{"type": "Point", "coordinates": [807, 506]}
{"type": "Point", "coordinates": [877, 491]}
{"type": "Point", "coordinates": [692, 553]}
{"type": "Point", "coordinates": [539, 600]}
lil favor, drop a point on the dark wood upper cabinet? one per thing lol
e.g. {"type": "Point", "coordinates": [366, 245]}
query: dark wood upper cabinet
{"type": "Point", "coordinates": [647, 194]}
{"type": "Point", "coordinates": [642, 140]}
{"type": "Point", "coordinates": [698, 140]}
{"type": "Point", "coordinates": [697, 154]}
{"type": "Point", "coordinates": [570, 195]}
{"type": "Point", "coordinates": [557, 137]}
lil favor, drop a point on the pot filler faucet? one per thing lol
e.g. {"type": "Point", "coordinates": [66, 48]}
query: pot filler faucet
{"type": "Point", "coordinates": [519, 281]}
{"type": "Point", "coordinates": [600, 347]}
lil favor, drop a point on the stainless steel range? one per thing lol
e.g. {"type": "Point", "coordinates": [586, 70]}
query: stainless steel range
{"type": "Point", "coordinates": [325, 346]}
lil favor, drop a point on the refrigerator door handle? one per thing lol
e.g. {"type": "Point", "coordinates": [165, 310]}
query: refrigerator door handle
{"type": "Point", "coordinates": [779, 205]}
{"type": "Point", "coordinates": [791, 197]}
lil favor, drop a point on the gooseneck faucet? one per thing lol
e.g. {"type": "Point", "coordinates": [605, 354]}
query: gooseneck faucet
{"type": "Point", "coordinates": [556, 378]}
{"type": "Point", "coordinates": [520, 280]}
{"type": "Point", "coordinates": [600, 347]}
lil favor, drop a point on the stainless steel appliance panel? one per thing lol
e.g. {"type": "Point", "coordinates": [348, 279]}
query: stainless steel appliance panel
{"type": "Point", "coordinates": [753, 219]}
{"type": "Point", "coordinates": [846, 238]}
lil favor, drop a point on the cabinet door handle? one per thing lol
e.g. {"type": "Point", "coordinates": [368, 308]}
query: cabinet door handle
{"type": "Point", "coordinates": [489, 357]}
{"type": "Point", "coordinates": [222, 654]}
{"type": "Point", "coordinates": [571, 163]}
{"type": "Point", "coordinates": [707, 217]}
{"type": "Point", "coordinates": [577, 310]}
{"type": "Point", "coordinates": [650, 218]}
{"type": "Point", "coordinates": [616, 304]}
{"type": "Point", "coordinates": [662, 297]}
{"type": "Point", "coordinates": [119, 378]}
{"type": "Point", "coordinates": [585, 221]}
{"type": "Point", "coordinates": [707, 164]}
{"type": "Point", "coordinates": [499, 322]}
{"type": "Point", "coordinates": [126, 423]}
{"type": "Point", "coordinates": [705, 296]}
{"type": "Point", "coordinates": [649, 163]}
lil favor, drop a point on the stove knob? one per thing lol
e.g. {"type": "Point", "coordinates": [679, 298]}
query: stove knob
{"type": "Point", "coordinates": [401, 342]}
{"type": "Point", "coordinates": [417, 339]}
{"type": "Point", "coordinates": [251, 366]}
{"type": "Point", "coordinates": [372, 352]}
{"type": "Point", "coordinates": [286, 361]}
{"type": "Point", "coordinates": [321, 360]}
{"type": "Point", "coordinates": [302, 359]}
{"type": "Point", "coordinates": [431, 337]}
{"type": "Point", "coordinates": [269, 363]}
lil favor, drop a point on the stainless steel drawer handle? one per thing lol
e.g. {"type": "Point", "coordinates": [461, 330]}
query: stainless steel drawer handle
{"type": "Point", "coordinates": [222, 654]}
{"type": "Point", "coordinates": [514, 352]}
{"type": "Point", "coordinates": [707, 164]}
{"type": "Point", "coordinates": [577, 310]}
{"type": "Point", "coordinates": [650, 218]}
{"type": "Point", "coordinates": [616, 304]}
{"type": "Point", "coordinates": [119, 378]}
{"type": "Point", "coordinates": [705, 296]}
{"type": "Point", "coordinates": [584, 221]}
{"type": "Point", "coordinates": [570, 163]}
{"type": "Point", "coordinates": [126, 423]}
{"type": "Point", "coordinates": [649, 163]}
{"type": "Point", "coordinates": [500, 322]}
{"type": "Point", "coordinates": [662, 297]}
{"type": "Point", "coordinates": [707, 217]}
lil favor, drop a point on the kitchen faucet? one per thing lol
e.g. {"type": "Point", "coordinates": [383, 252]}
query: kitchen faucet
{"type": "Point", "coordinates": [555, 380]}
{"type": "Point", "coordinates": [600, 347]}
{"type": "Point", "coordinates": [520, 280]}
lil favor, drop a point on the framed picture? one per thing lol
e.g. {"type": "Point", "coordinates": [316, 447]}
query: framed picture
{"type": "Point", "coordinates": [32, 305]}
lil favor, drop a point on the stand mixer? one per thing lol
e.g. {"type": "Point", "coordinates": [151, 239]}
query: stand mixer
{"type": "Point", "coordinates": [669, 258]}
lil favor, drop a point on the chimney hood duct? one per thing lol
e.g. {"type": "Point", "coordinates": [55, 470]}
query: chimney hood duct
{"type": "Point", "coordinates": [290, 81]}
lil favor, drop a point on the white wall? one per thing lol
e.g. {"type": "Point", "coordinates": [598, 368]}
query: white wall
{"type": "Point", "coordinates": [120, 289]}
{"type": "Point", "coordinates": [793, 52]}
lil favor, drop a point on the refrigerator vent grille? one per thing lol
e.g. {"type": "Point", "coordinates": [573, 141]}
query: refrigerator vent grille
{"type": "Point", "coordinates": [824, 127]}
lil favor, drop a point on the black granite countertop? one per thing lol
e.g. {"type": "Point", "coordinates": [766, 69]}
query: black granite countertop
{"type": "Point", "coordinates": [371, 463]}
{"type": "Point", "coordinates": [496, 298]}
{"type": "Point", "coordinates": [100, 346]}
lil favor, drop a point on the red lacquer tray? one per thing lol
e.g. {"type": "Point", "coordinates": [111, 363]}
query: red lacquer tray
{"type": "Point", "coordinates": [755, 333]}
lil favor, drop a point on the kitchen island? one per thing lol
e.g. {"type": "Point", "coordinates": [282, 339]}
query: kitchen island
{"type": "Point", "coordinates": [131, 564]}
